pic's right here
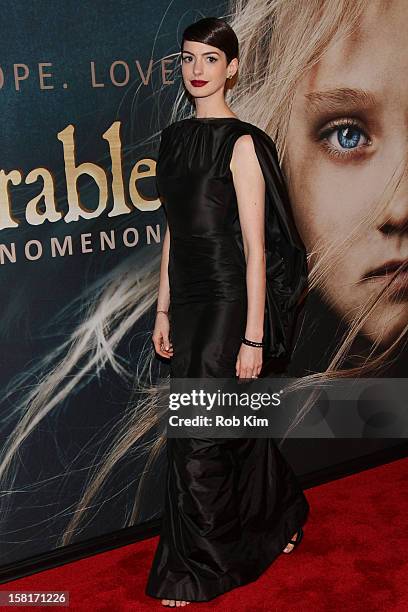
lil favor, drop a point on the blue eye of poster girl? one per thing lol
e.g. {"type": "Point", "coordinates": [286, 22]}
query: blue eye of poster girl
{"type": "Point", "coordinates": [348, 137]}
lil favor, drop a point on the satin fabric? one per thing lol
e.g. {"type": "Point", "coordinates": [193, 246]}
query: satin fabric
{"type": "Point", "coordinates": [207, 261]}
{"type": "Point", "coordinates": [231, 505]}
{"type": "Point", "coordinates": [230, 508]}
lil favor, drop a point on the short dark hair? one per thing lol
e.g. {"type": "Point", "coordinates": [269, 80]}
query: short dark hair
{"type": "Point", "coordinates": [215, 32]}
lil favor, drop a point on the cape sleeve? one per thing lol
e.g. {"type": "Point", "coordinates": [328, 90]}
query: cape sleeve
{"type": "Point", "coordinates": [286, 261]}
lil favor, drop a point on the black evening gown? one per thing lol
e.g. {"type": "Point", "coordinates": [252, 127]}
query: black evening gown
{"type": "Point", "coordinates": [231, 505]}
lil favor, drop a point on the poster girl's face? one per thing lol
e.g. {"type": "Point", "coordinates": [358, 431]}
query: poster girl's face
{"type": "Point", "coordinates": [348, 133]}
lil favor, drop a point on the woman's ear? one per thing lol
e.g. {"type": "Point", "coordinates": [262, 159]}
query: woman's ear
{"type": "Point", "coordinates": [232, 68]}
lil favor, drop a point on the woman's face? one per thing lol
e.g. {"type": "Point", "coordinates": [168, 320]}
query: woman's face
{"type": "Point", "coordinates": [348, 134]}
{"type": "Point", "coordinates": [204, 69]}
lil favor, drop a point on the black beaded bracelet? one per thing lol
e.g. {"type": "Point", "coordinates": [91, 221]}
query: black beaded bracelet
{"type": "Point", "coordinates": [252, 343]}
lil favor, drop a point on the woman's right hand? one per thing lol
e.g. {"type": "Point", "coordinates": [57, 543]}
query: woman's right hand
{"type": "Point", "coordinates": [161, 336]}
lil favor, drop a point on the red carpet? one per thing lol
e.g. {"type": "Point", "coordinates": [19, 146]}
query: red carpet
{"type": "Point", "coordinates": [354, 556]}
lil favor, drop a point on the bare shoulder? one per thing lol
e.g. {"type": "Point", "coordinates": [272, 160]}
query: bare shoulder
{"type": "Point", "coordinates": [244, 144]}
{"type": "Point", "coordinates": [243, 153]}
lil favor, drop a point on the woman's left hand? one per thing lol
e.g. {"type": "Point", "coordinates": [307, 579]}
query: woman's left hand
{"type": "Point", "coordinates": [249, 361]}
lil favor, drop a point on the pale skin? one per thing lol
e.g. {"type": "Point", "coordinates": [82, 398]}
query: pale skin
{"type": "Point", "coordinates": [208, 63]}
{"type": "Point", "coordinates": [346, 137]}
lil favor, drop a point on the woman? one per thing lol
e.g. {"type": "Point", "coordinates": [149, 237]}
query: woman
{"type": "Point", "coordinates": [233, 276]}
{"type": "Point", "coordinates": [320, 38]}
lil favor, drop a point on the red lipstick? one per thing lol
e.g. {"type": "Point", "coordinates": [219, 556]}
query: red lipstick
{"type": "Point", "coordinates": [198, 83]}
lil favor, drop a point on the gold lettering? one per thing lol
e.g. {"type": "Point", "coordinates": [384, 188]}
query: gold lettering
{"type": "Point", "coordinates": [86, 240]}
{"type": "Point", "coordinates": [10, 256]}
{"type": "Point", "coordinates": [18, 77]}
{"type": "Point", "coordinates": [144, 78]}
{"type": "Point", "coordinates": [27, 249]}
{"type": "Point", "coordinates": [112, 73]}
{"type": "Point", "coordinates": [56, 246]}
{"type": "Point", "coordinates": [13, 177]}
{"type": "Point", "coordinates": [76, 209]}
{"type": "Point", "coordinates": [105, 239]}
{"type": "Point", "coordinates": [44, 75]}
{"type": "Point", "coordinates": [42, 207]}
{"type": "Point", "coordinates": [128, 241]}
{"type": "Point", "coordinates": [33, 214]}
{"type": "Point", "coordinates": [165, 70]}
{"type": "Point", "coordinates": [153, 233]}
{"type": "Point", "coordinates": [93, 77]}
{"type": "Point", "coordinates": [112, 135]}
{"type": "Point", "coordinates": [144, 204]}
